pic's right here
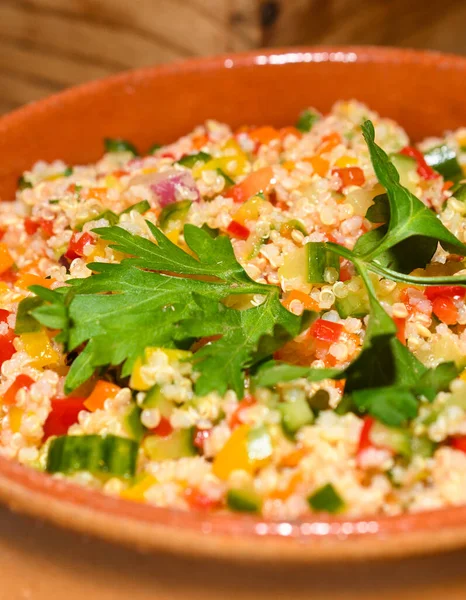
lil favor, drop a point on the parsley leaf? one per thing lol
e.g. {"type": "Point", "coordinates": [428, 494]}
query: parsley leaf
{"type": "Point", "coordinates": [162, 296]}
{"type": "Point", "coordinates": [409, 217]}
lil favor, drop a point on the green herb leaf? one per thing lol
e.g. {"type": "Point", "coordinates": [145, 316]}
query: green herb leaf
{"type": "Point", "coordinates": [126, 307]}
{"type": "Point", "coordinates": [306, 120]}
{"type": "Point", "coordinates": [408, 215]}
{"type": "Point", "coordinates": [119, 145]}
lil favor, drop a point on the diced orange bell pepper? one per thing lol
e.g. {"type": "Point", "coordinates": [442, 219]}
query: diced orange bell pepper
{"type": "Point", "coordinates": [27, 279]}
{"type": "Point", "coordinates": [444, 308]}
{"type": "Point", "coordinates": [21, 382]}
{"type": "Point", "coordinates": [255, 183]}
{"type": "Point", "coordinates": [102, 391]}
{"type": "Point", "coordinates": [329, 142]}
{"type": "Point", "coordinates": [264, 135]}
{"type": "Point", "coordinates": [6, 260]}
{"type": "Point", "coordinates": [305, 299]}
{"type": "Point", "coordinates": [320, 165]}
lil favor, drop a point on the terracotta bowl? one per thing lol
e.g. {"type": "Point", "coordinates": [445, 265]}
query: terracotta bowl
{"type": "Point", "coordinates": [424, 91]}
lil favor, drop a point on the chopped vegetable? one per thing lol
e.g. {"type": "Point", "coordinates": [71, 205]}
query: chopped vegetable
{"type": "Point", "coordinates": [119, 145]}
{"type": "Point", "coordinates": [326, 499]}
{"type": "Point", "coordinates": [243, 501]}
{"type": "Point", "coordinates": [326, 331]}
{"type": "Point", "coordinates": [21, 382]}
{"type": "Point", "coordinates": [259, 181]}
{"type": "Point", "coordinates": [100, 455]}
{"type": "Point", "coordinates": [177, 444]}
{"type": "Point", "coordinates": [443, 159]}
{"type": "Point", "coordinates": [306, 120]}
{"type": "Point", "coordinates": [64, 413]}
{"type": "Point", "coordinates": [102, 391]}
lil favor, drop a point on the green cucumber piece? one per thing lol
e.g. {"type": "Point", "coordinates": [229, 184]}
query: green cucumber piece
{"type": "Point", "coordinates": [174, 212]}
{"type": "Point", "coordinates": [406, 166]}
{"type": "Point", "coordinates": [306, 120]}
{"type": "Point", "coordinates": [119, 145]}
{"type": "Point", "coordinates": [178, 444]}
{"type": "Point", "coordinates": [132, 423]}
{"type": "Point", "coordinates": [355, 304]}
{"type": "Point", "coordinates": [155, 399]}
{"type": "Point", "coordinates": [140, 207]}
{"type": "Point", "coordinates": [25, 322]}
{"type": "Point", "coordinates": [295, 415]}
{"type": "Point", "coordinates": [395, 439]}
{"type": "Point", "coordinates": [112, 455]}
{"type": "Point", "coordinates": [154, 148]}
{"type": "Point", "coordinates": [259, 444]}
{"type": "Point", "coordinates": [243, 501]}
{"type": "Point", "coordinates": [444, 160]}
{"type": "Point", "coordinates": [326, 499]}
{"type": "Point", "coordinates": [189, 160]}
{"type": "Point", "coordinates": [320, 259]}
{"type": "Point", "coordinates": [111, 217]}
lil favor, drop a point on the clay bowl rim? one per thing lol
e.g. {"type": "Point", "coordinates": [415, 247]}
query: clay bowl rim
{"type": "Point", "coordinates": [224, 535]}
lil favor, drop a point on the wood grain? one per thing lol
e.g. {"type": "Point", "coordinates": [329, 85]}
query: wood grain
{"type": "Point", "coordinates": [46, 45]}
{"type": "Point", "coordinates": [416, 23]}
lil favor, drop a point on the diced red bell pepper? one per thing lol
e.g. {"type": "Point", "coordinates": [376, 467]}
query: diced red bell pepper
{"type": "Point", "coordinates": [350, 176]}
{"type": "Point", "coordinates": [459, 443]}
{"type": "Point", "coordinates": [364, 437]}
{"type": "Point", "coordinates": [450, 291]}
{"type": "Point", "coordinates": [76, 245]}
{"type": "Point", "coordinates": [46, 226]}
{"type": "Point", "coordinates": [64, 413]}
{"type": "Point", "coordinates": [2, 233]}
{"type": "Point", "coordinates": [7, 348]}
{"type": "Point", "coordinates": [21, 382]}
{"type": "Point", "coordinates": [199, 501]}
{"type": "Point", "coordinates": [444, 308]}
{"type": "Point", "coordinates": [31, 226]}
{"type": "Point", "coordinates": [423, 168]}
{"type": "Point", "coordinates": [236, 417]}
{"type": "Point", "coordinates": [326, 331]}
{"type": "Point", "coordinates": [237, 230]}
{"type": "Point", "coordinates": [164, 428]}
{"type": "Point", "coordinates": [258, 181]}
{"type": "Point", "coordinates": [4, 314]}
{"type": "Point", "coordinates": [400, 329]}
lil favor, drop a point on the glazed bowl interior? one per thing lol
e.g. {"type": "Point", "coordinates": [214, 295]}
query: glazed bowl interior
{"type": "Point", "coordinates": [424, 92]}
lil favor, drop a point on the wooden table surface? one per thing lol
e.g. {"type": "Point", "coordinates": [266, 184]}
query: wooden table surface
{"type": "Point", "coordinates": [39, 562]}
{"type": "Point", "coordinates": [47, 45]}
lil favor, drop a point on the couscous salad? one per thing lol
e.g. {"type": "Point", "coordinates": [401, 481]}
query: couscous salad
{"type": "Point", "coordinates": [262, 320]}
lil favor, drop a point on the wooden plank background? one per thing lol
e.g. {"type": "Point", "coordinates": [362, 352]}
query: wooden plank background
{"type": "Point", "coordinates": [46, 45]}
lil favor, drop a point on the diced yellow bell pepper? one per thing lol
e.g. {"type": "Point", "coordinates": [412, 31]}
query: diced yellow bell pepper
{"type": "Point", "coordinates": [39, 348]}
{"type": "Point", "coordinates": [346, 161]}
{"type": "Point", "coordinates": [136, 492]}
{"type": "Point", "coordinates": [15, 415]}
{"type": "Point", "coordinates": [463, 375]}
{"type": "Point", "coordinates": [112, 182]}
{"type": "Point", "coordinates": [250, 210]}
{"type": "Point", "coordinates": [137, 381]}
{"type": "Point", "coordinates": [234, 455]}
